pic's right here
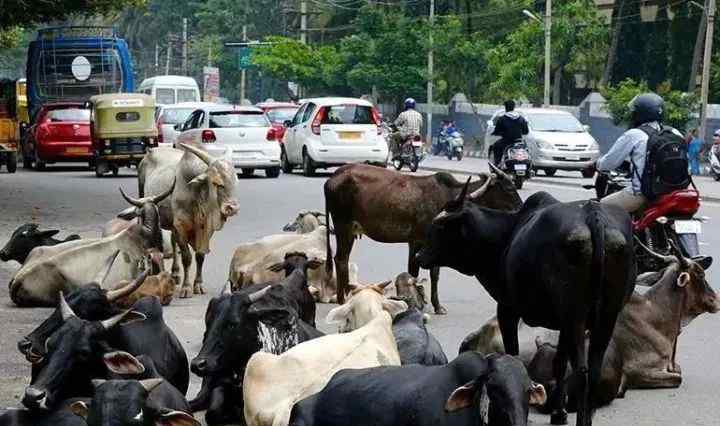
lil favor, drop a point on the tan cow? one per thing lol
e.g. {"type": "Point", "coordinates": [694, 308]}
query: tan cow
{"type": "Point", "coordinates": [161, 285]}
{"type": "Point", "coordinates": [364, 304]}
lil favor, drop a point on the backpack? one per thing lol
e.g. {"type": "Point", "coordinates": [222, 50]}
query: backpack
{"type": "Point", "coordinates": [666, 163]}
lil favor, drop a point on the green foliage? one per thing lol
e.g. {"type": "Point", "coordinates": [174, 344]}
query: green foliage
{"type": "Point", "coordinates": [16, 12]}
{"type": "Point", "coordinates": [680, 107]}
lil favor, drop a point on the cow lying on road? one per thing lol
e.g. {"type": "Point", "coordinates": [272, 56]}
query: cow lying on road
{"type": "Point", "coordinates": [305, 222]}
{"type": "Point", "coordinates": [161, 286]}
{"type": "Point", "coordinates": [25, 238]}
{"type": "Point", "coordinates": [62, 416]}
{"type": "Point", "coordinates": [415, 395]}
{"type": "Point", "coordinates": [565, 266]}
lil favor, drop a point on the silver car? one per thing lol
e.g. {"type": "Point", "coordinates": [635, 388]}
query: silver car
{"type": "Point", "coordinates": [557, 140]}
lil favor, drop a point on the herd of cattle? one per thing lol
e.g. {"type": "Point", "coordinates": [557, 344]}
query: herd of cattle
{"type": "Point", "coordinates": [563, 276]}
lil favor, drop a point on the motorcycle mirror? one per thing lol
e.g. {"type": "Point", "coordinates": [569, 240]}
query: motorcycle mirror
{"type": "Point", "coordinates": [662, 220]}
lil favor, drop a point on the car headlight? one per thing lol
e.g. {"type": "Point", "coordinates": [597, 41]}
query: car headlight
{"type": "Point", "coordinates": [544, 145]}
{"type": "Point", "coordinates": [594, 146]}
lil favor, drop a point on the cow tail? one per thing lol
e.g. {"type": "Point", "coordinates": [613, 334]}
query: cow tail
{"type": "Point", "coordinates": [329, 266]}
{"type": "Point", "coordinates": [597, 222]}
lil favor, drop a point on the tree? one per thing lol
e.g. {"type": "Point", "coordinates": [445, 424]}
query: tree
{"type": "Point", "coordinates": [26, 13]}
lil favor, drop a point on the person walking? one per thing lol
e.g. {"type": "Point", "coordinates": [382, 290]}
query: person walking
{"type": "Point", "coordinates": [695, 146]}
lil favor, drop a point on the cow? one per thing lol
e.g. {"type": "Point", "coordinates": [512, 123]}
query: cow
{"type": "Point", "coordinates": [128, 402]}
{"type": "Point", "coordinates": [564, 266]}
{"type": "Point", "coordinates": [272, 383]}
{"type": "Point", "coordinates": [74, 264]}
{"type": "Point", "coordinates": [410, 290]}
{"type": "Point", "coordinates": [415, 395]}
{"type": "Point", "coordinates": [202, 200]}
{"type": "Point", "coordinates": [365, 303]}
{"type": "Point", "coordinates": [415, 343]}
{"type": "Point", "coordinates": [25, 238]}
{"type": "Point", "coordinates": [80, 350]}
{"type": "Point", "coordinates": [391, 207]}
{"type": "Point", "coordinates": [62, 416]}
{"type": "Point", "coordinates": [306, 221]}
{"type": "Point", "coordinates": [161, 286]}
{"type": "Point", "coordinates": [250, 261]}
{"type": "Point", "coordinates": [118, 224]}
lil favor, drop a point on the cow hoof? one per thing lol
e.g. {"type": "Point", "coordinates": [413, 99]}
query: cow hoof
{"type": "Point", "coordinates": [186, 292]}
{"type": "Point", "coordinates": [558, 417]}
{"type": "Point", "coordinates": [440, 310]}
{"type": "Point", "coordinates": [198, 288]}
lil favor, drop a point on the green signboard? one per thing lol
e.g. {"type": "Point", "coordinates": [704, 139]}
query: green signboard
{"type": "Point", "coordinates": [245, 58]}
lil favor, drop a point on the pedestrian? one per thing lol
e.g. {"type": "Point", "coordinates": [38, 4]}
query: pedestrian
{"type": "Point", "coordinates": [695, 146]}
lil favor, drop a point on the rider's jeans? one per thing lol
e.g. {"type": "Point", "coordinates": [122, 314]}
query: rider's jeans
{"type": "Point", "coordinates": [627, 200]}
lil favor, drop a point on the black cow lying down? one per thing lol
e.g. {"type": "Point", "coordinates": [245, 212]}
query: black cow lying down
{"type": "Point", "coordinates": [62, 416]}
{"type": "Point", "coordinates": [414, 395]}
{"type": "Point", "coordinates": [563, 266]}
{"type": "Point", "coordinates": [415, 343]}
{"type": "Point", "coordinates": [28, 236]}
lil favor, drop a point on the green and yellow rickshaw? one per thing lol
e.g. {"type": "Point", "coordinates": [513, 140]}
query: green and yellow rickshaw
{"type": "Point", "coordinates": [9, 126]}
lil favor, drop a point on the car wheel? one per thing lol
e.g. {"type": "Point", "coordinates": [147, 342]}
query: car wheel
{"type": "Point", "coordinates": [308, 167]}
{"type": "Point", "coordinates": [98, 171]}
{"type": "Point", "coordinates": [272, 172]}
{"type": "Point", "coordinates": [248, 172]}
{"type": "Point", "coordinates": [115, 170]}
{"type": "Point", "coordinates": [11, 162]}
{"type": "Point", "coordinates": [550, 172]}
{"type": "Point", "coordinates": [518, 182]}
{"type": "Point", "coordinates": [285, 163]}
{"type": "Point", "coordinates": [588, 173]}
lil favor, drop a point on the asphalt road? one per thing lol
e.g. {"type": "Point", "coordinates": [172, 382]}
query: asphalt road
{"type": "Point", "coordinates": [74, 201]}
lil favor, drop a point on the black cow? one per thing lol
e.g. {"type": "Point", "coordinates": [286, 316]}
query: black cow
{"type": "Point", "coordinates": [416, 395]}
{"type": "Point", "coordinates": [563, 266]}
{"type": "Point", "coordinates": [25, 238]}
{"type": "Point", "coordinates": [62, 416]}
{"type": "Point", "coordinates": [415, 343]}
{"type": "Point", "coordinates": [258, 317]}
{"type": "Point", "coordinates": [128, 402]}
{"type": "Point", "coordinates": [296, 265]}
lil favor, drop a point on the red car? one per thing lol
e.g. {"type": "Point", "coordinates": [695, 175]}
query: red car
{"type": "Point", "coordinates": [61, 133]}
{"type": "Point", "coordinates": [279, 113]}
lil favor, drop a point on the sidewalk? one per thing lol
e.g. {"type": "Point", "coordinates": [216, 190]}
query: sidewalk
{"type": "Point", "coordinates": [709, 189]}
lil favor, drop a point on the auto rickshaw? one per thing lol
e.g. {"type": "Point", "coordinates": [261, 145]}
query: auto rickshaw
{"type": "Point", "coordinates": [122, 127]}
{"type": "Point", "coordinates": [9, 128]}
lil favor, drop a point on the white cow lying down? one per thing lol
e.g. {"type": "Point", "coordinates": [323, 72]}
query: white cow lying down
{"type": "Point", "coordinates": [250, 261]}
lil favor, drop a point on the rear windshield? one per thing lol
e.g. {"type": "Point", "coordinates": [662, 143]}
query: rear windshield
{"type": "Point", "coordinates": [238, 119]}
{"type": "Point", "coordinates": [165, 96]}
{"type": "Point", "coordinates": [187, 95]}
{"type": "Point", "coordinates": [71, 114]}
{"type": "Point", "coordinates": [348, 114]}
{"type": "Point", "coordinates": [176, 115]}
{"type": "Point", "coordinates": [280, 115]}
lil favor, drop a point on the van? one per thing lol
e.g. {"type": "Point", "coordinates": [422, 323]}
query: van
{"type": "Point", "coordinates": [171, 89]}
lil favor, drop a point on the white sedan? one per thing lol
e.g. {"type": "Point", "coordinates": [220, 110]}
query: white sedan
{"type": "Point", "coordinates": [241, 134]}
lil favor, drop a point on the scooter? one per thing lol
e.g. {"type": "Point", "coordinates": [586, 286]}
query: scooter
{"type": "Point", "coordinates": [454, 145]}
{"type": "Point", "coordinates": [714, 158]}
{"type": "Point", "coordinates": [516, 162]}
{"type": "Point", "coordinates": [669, 220]}
{"type": "Point", "coordinates": [411, 154]}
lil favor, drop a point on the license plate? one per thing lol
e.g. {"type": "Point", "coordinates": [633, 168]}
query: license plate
{"type": "Point", "coordinates": [521, 167]}
{"type": "Point", "coordinates": [352, 136]}
{"type": "Point", "coordinates": [244, 154]}
{"type": "Point", "coordinates": [688, 227]}
{"type": "Point", "coordinates": [417, 143]}
{"type": "Point", "coordinates": [520, 172]}
{"type": "Point", "coordinates": [74, 150]}
{"type": "Point", "coordinates": [572, 157]}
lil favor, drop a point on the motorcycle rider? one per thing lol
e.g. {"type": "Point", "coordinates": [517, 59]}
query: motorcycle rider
{"type": "Point", "coordinates": [409, 123]}
{"type": "Point", "coordinates": [511, 127]}
{"type": "Point", "coordinates": [645, 110]}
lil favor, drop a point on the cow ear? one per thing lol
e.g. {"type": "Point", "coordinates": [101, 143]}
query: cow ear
{"type": "Point", "coordinates": [48, 233]}
{"type": "Point", "coordinates": [315, 263]}
{"type": "Point", "coordinates": [176, 418]}
{"type": "Point", "coordinates": [79, 408]}
{"type": "Point", "coordinates": [461, 397]}
{"type": "Point", "coordinates": [215, 178]}
{"type": "Point", "coordinates": [537, 394]}
{"type": "Point", "coordinates": [338, 315]}
{"type": "Point", "coordinates": [704, 261]}
{"type": "Point", "coordinates": [683, 279]}
{"type": "Point", "coordinates": [129, 213]}
{"type": "Point", "coordinates": [199, 179]}
{"type": "Point", "coordinates": [123, 363]}
{"type": "Point", "coordinates": [421, 292]}
{"type": "Point", "coordinates": [394, 307]}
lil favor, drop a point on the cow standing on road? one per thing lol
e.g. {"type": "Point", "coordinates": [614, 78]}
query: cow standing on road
{"type": "Point", "coordinates": [565, 266]}
{"type": "Point", "coordinates": [391, 207]}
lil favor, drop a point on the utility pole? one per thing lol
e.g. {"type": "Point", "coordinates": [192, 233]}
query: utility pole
{"type": "Point", "coordinates": [303, 21]}
{"type": "Point", "coordinates": [430, 74]}
{"type": "Point", "coordinates": [157, 58]}
{"type": "Point", "coordinates": [184, 51]}
{"type": "Point", "coordinates": [710, 13]}
{"type": "Point", "coordinates": [242, 72]}
{"type": "Point", "coordinates": [548, 27]}
{"type": "Point", "coordinates": [169, 54]}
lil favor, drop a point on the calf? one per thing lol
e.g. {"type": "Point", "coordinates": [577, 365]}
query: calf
{"type": "Point", "coordinates": [415, 343]}
{"type": "Point", "coordinates": [161, 286]}
{"type": "Point", "coordinates": [410, 289]}
{"type": "Point", "coordinates": [452, 395]}
{"type": "Point", "coordinates": [364, 304]}
{"type": "Point", "coordinates": [25, 238]}
{"type": "Point", "coordinates": [565, 266]}
{"type": "Point", "coordinates": [306, 221]}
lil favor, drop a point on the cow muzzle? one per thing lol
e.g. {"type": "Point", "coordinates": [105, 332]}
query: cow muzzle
{"type": "Point", "coordinates": [229, 208]}
{"type": "Point", "coordinates": [35, 398]}
{"type": "Point", "coordinates": [4, 255]}
{"type": "Point", "coordinates": [200, 367]}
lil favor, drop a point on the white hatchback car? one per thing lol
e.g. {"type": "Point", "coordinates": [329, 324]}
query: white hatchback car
{"type": "Point", "coordinates": [329, 132]}
{"type": "Point", "coordinates": [168, 116]}
{"type": "Point", "coordinates": [243, 135]}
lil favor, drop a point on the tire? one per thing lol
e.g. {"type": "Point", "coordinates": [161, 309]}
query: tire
{"type": "Point", "coordinates": [414, 163]}
{"type": "Point", "coordinates": [716, 177]}
{"type": "Point", "coordinates": [11, 162]}
{"type": "Point", "coordinates": [459, 156]}
{"type": "Point", "coordinates": [518, 182]}
{"type": "Point", "coordinates": [550, 172]}
{"type": "Point", "coordinates": [98, 173]}
{"type": "Point", "coordinates": [587, 174]}
{"type": "Point", "coordinates": [247, 172]}
{"type": "Point", "coordinates": [285, 163]}
{"type": "Point", "coordinates": [115, 170]}
{"type": "Point", "coordinates": [398, 164]}
{"type": "Point", "coordinates": [308, 167]}
{"type": "Point", "coordinates": [272, 172]}
{"type": "Point", "coordinates": [39, 165]}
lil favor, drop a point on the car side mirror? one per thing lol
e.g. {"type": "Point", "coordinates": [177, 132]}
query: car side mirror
{"type": "Point", "coordinates": [287, 123]}
{"type": "Point", "coordinates": [87, 105]}
{"type": "Point", "coordinates": [586, 127]}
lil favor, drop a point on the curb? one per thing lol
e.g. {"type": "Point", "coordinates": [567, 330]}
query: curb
{"type": "Point", "coordinates": [537, 180]}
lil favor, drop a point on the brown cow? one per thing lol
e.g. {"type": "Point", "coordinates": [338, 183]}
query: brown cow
{"type": "Point", "coordinates": [391, 207]}
{"type": "Point", "coordinates": [161, 285]}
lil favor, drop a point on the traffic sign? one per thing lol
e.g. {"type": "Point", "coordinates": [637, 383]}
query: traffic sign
{"type": "Point", "coordinates": [245, 58]}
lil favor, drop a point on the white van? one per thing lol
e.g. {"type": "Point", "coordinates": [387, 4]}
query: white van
{"type": "Point", "coordinates": [171, 89]}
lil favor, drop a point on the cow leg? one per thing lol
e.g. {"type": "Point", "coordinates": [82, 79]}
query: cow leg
{"type": "Point", "coordinates": [558, 414]}
{"type": "Point", "coordinates": [186, 290]}
{"type": "Point", "coordinates": [197, 285]}
{"type": "Point", "coordinates": [345, 241]}
{"type": "Point", "coordinates": [175, 269]}
{"type": "Point", "coordinates": [414, 270]}
{"type": "Point", "coordinates": [578, 358]}
{"type": "Point", "coordinates": [508, 323]}
{"type": "Point", "coordinates": [657, 379]}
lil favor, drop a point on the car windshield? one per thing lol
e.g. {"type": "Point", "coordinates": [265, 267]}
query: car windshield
{"type": "Point", "coordinates": [176, 115]}
{"type": "Point", "coordinates": [238, 119]}
{"type": "Point", "coordinates": [348, 114]}
{"type": "Point", "coordinates": [165, 96]}
{"type": "Point", "coordinates": [70, 114]}
{"type": "Point", "coordinates": [280, 115]}
{"type": "Point", "coordinates": [554, 123]}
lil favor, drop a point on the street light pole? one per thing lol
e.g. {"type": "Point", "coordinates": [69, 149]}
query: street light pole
{"type": "Point", "coordinates": [706, 67]}
{"type": "Point", "coordinates": [430, 75]}
{"type": "Point", "coordinates": [548, 27]}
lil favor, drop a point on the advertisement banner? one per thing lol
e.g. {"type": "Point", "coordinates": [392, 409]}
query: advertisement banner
{"type": "Point", "coordinates": [211, 84]}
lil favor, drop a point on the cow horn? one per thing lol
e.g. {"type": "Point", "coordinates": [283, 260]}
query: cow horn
{"type": "Point", "coordinates": [157, 198]}
{"type": "Point", "coordinates": [150, 384]}
{"type": "Point", "coordinates": [113, 295]}
{"type": "Point", "coordinates": [384, 284]}
{"type": "Point", "coordinates": [665, 259]}
{"type": "Point", "coordinates": [680, 257]}
{"type": "Point", "coordinates": [137, 202]}
{"type": "Point", "coordinates": [227, 289]}
{"type": "Point", "coordinates": [254, 297]}
{"type": "Point", "coordinates": [495, 169]}
{"type": "Point", "coordinates": [483, 189]}
{"type": "Point", "coordinates": [198, 152]}
{"type": "Point", "coordinates": [463, 192]}
{"type": "Point", "coordinates": [113, 321]}
{"type": "Point", "coordinates": [105, 270]}
{"type": "Point", "coordinates": [65, 310]}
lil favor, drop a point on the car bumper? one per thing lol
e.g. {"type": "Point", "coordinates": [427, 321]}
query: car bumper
{"type": "Point", "coordinates": [65, 151]}
{"type": "Point", "coordinates": [257, 156]}
{"type": "Point", "coordinates": [564, 160]}
{"type": "Point", "coordinates": [337, 155]}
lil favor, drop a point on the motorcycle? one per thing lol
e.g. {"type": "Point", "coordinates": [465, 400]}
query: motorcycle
{"type": "Point", "coordinates": [669, 220]}
{"type": "Point", "coordinates": [454, 145]}
{"type": "Point", "coordinates": [411, 154]}
{"type": "Point", "coordinates": [517, 163]}
{"type": "Point", "coordinates": [714, 158]}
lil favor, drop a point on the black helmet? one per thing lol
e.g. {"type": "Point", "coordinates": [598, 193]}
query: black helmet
{"type": "Point", "coordinates": [645, 108]}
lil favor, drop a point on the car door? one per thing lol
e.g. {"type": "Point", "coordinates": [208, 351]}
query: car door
{"type": "Point", "coordinates": [186, 135]}
{"type": "Point", "coordinates": [304, 133]}
{"type": "Point", "coordinates": [292, 148]}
